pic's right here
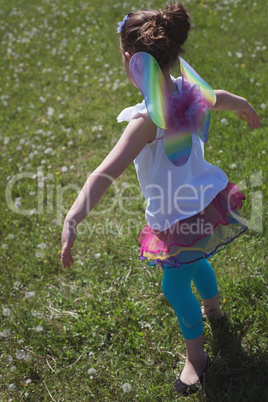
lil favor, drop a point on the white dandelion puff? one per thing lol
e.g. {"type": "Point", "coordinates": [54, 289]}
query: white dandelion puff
{"type": "Point", "coordinates": [224, 121]}
{"type": "Point", "coordinates": [126, 387]}
{"type": "Point", "coordinates": [9, 359]}
{"type": "Point", "coordinates": [42, 246]}
{"type": "Point", "coordinates": [12, 387]}
{"type": "Point", "coordinates": [39, 254]}
{"type": "Point", "coordinates": [6, 311]}
{"type": "Point", "coordinates": [29, 295]}
{"type": "Point", "coordinates": [39, 328]}
{"type": "Point", "coordinates": [6, 333]}
{"type": "Point", "coordinates": [50, 111]}
{"type": "Point", "coordinates": [92, 371]}
{"type": "Point", "coordinates": [17, 203]}
{"type": "Point", "coordinates": [20, 354]}
{"type": "Point", "coordinates": [48, 150]}
{"type": "Point", "coordinates": [28, 357]}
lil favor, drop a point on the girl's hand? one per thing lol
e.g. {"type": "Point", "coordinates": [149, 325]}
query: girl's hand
{"type": "Point", "coordinates": [251, 116]}
{"type": "Point", "coordinates": [67, 239]}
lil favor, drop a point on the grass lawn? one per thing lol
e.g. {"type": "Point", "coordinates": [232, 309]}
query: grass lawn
{"type": "Point", "coordinates": [102, 330]}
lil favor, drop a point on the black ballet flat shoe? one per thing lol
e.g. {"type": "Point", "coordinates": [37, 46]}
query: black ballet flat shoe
{"type": "Point", "coordinates": [187, 389]}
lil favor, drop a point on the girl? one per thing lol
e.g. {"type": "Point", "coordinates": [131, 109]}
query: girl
{"type": "Point", "coordinates": [192, 210]}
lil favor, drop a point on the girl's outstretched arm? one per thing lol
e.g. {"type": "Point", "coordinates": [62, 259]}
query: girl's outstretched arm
{"type": "Point", "coordinates": [228, 101]}
{"type": "Point", "coordinates": [137, 134]}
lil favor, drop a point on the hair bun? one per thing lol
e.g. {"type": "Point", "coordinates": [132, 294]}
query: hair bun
{"type": "Point", "coordinates": [160, 33]}
{"type": "Point", "coordinates": [177, 21]}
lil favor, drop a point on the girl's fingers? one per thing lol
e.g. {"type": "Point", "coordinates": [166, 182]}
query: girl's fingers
{"type": "Point", "coordinates": [253, 121]}
{"type": "Point", "coordinates": [66, 257]}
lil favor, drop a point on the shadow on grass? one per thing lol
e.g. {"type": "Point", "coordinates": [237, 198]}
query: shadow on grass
{"type": "Point", "coordinates": [236, 374]}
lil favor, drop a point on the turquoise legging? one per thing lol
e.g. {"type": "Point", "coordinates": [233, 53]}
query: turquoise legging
{"type": "Point", "coordinates": [176, 287]}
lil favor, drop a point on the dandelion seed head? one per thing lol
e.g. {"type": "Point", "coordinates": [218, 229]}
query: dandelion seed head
{"type": "Point", "coordinates": [42, 246]}
{"type": "Point", "coordinates": [48, 150]}
{"type": "Point", "coordinates": [9, 359]}
{"type": "Point", "coordinates": [29, 295]}
{"type": "Point", "coordinates": [50, 111]}
{"type": "Point", "coordinates": [224, 121]}
{"type": "Point", "coordinates": [6, 311]}
{"type": "Point", "coordinates": [20, 354]}
{"type": "Point", "coordinates": [12, 387]}
{"type": "Point", "coordinates": [28, 357]}
{"type": "Point", "coordinates": [126, 387]}
{"type": "Point", "coordinates": [6, 333]}
{"type": "Point", "coordinates": [92, 371]}
{"type": "Point", "coordinates": [39, 254]}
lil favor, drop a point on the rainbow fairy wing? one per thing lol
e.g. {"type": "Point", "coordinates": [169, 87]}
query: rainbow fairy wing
{"type": "Point", "coordinates": [178, 146]}
{"type": "Point", "coordinates": [190, 75]}
{"type": "Point", "coordinates": [150, 81]}
{"type": "Point", "coordinates": [203, 134]}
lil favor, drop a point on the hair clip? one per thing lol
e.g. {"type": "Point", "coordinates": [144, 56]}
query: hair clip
{"type": "Point", "coordinates": [122, 23]}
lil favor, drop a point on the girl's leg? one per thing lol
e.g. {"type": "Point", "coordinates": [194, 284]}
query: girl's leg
{"type": "Point", "coordinates": [176, 287]}
{"type": "Point", "coordinates": [206, 285]}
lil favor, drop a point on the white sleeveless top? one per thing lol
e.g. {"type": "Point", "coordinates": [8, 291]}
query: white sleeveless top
{"type": "Point", "coordinates": [173, 192]}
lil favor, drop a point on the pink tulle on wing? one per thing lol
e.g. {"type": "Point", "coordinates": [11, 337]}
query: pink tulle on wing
{"type": "Point", "coordinates": [188, 109]}
{"type": "Point", "coordinates": [200, 235]}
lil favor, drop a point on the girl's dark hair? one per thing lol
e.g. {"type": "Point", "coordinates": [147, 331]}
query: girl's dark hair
{"type": "Point", "coordinates": [160, 33]}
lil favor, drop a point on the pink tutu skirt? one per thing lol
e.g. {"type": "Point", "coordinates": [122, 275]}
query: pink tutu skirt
{"type": "Point", "coordinates": [199, 236]}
